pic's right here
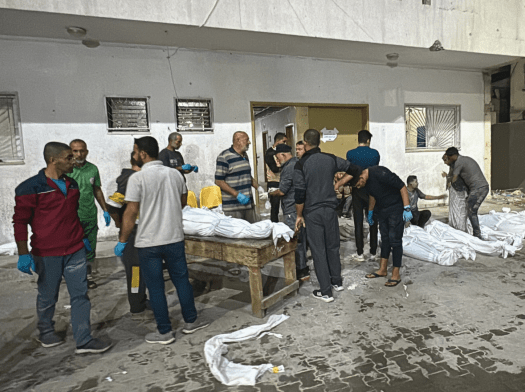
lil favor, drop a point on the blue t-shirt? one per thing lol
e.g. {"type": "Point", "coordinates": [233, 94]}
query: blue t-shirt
{"type": "Point", "coordinates": [363, 156]}
{"type": "Point", "coordinates": [61, 185]}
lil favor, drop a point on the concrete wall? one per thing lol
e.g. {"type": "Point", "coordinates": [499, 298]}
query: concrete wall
{"type": "Point", "coordinates": [62, 87]}
{"type": "Point", "coordinates": [466, 25]}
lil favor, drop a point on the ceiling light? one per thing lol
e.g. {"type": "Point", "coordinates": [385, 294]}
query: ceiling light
{"type": "Point", "coordinates": [436, 46]}
{"type": "Point", "coordinates": [91, 43]}
{"type": "Point", "coordinates": [77, 32]}
{"type": "Point", "coordinates": [392, 59]}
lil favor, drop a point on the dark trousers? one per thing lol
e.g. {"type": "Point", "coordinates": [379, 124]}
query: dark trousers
{"type": "Point", "coordinates": [420, 218]}
{"type": "Point", "coordinates": [300, 251]}
{"type": "Point", "coordinates": [151, 265]}
{"type": "Point", "coordinates": [50, 271]}
{"type": "Point", "coordinates": [474, 200]}
{"type": "Point", "coordinates": [135, 280]}
{"type": "Point", "coordinates": [391, 227]}
{"type": "Point", "coordinates": [322, 231]}
{"type": "Point", "coordinates": [275, 201]}
{"type": "Point", "coordinates": [360, 204]}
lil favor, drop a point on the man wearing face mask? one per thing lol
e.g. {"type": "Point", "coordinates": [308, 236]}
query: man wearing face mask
{"type": "Point", "coordinates": [171, 157]}
{"type": "Point", "coordinates": [88, 178]}
{"type": "Point", "coordinates": [233, 176]}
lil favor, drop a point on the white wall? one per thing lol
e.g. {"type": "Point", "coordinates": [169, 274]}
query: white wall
{"type": "Point", "coordinates": [62, 87]}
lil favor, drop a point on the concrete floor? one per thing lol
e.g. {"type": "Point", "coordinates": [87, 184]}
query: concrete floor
{"type": "Point", "coordinates": [456, 328]}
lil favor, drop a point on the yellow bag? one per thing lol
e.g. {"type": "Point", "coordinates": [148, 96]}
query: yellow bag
{"type": "Point", "coordinates": [211, 197]}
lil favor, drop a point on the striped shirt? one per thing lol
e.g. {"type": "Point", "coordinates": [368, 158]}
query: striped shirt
{"type": "Point", "coordinates": [236, 171]}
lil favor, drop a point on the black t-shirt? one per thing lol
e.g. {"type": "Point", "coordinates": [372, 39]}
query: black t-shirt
{"type": "Point", "coordinates": [385, 187]}
{"type": "Point", "coordinates": [170, 158]}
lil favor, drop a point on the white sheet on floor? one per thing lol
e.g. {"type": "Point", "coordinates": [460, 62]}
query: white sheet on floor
{"type": "Point", "coordinates": [206, 223]}
{"type": "Point", "coordinates": [509, 222]}
{"type": "Point", "coordinates": [230, 373]}
{"type": "Point", "coordinates": [421, 245]}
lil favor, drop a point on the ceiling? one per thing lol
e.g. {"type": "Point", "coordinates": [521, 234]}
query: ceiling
{"type": "Point", "coordinates": [17, 23]}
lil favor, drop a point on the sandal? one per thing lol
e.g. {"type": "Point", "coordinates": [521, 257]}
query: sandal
{"type": "Point", "coordinates": [373, 275]}
{"type": "Point", "coordinates": [393, 282]}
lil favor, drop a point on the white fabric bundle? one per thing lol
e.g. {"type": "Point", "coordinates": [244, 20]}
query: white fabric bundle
{"type": "Point", "coordinates": [230, 373]}
{"type": "Point", "coordinates": [510, 222]}
{"type": "Point", "coordinates": [206, 223]}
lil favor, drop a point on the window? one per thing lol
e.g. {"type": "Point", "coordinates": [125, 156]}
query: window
{"type": "Point", "coordinates": [11, 148]}
{"type": "Point", "coordinates": [127, 114]}
{"type": "Point", "coordinates": [193, 115]}
{"type": "Point", "coordinates": [431, 127]}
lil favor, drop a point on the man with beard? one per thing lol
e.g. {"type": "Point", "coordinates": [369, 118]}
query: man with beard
{"type": "Point", "coordinates": [48, 202]}
{"type": "Point", "coordinates": [273, 175]}
{"type": "Point", "coordinates": [171, 156]}
{"type": "Point", "coordinates": [160, 194]}
{"type": "Point", "coordinates": [88, 179]}
{"type": "Point", "coordinates": [233, 176]}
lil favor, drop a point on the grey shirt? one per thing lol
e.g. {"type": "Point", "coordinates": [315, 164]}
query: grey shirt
{"type": "Point", "coordinates": [170, 158]}
{"type": "Point", "coordinates": [286, 186]}
{"type": "Point", "coordinates": [414, 197]}
{"type": "Point", "coordinates": [469, 170]}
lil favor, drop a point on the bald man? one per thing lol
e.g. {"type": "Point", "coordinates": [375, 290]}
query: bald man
{"type": "Point", "coordinates": [233, 176]}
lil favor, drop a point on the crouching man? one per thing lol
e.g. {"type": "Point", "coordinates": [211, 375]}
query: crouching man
{"type": "Point", "coordinates": [286, 191]}
{"type": "Point", "coordinates": [49, 203]}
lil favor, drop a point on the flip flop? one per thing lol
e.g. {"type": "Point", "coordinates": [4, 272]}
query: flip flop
{"type": "Point", "coordinates": [373, 275]}
{"type": "Point", "coordinates": [392, 281]}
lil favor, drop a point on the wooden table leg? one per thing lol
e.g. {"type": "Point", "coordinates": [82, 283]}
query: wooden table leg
{"type": "Point", "coordinates": [289, 268]}
{"type": "Point", "coordinates": [256, 291]}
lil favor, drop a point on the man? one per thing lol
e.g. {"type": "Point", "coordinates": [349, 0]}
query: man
{"type": "Point", "coordinates": [478, 187]}
{"type": "Point", "coordinates": [233, 176]}
{"type": "Point", "coordinates": [48, 202]}
{"type": "Point", "coordinates": [287, 193]}
{"type": "Point", "coordinates": [299, 149]}
{"type": "Point", "coordinates": [160, 194]}
{"type": "Point", "coordinates": [390, 206]}
{"type": "Point", "coordinates": [316, 202]}
{"type": "Point", "coordinates": [420, 218]}
{"type": "Point", "coordinates": [273, 171]}
{"type": "Point", "coordinates": [171, 157]}
{"type": "Point", "coordinates": [365, 157]}
{"type": "Point", "coordinates": [137, 298]}
{"type": "Point", "coordinates": [87, 176]}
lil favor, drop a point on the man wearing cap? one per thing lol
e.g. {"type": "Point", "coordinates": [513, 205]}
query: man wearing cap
{"type": "Point", "coordinates": [286, 191]}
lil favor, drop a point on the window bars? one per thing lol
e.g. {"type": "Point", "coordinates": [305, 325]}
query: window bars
{"type": "Point", "coordinates": [11, 147]}
{"type": "Point", "coordinates": [127, 114]}
{"type": "Point", "coordinates": [432, 127]}
{"type": "Point", "coordinates": [193, 114]}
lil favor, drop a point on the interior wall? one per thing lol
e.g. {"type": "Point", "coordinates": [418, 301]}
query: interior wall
{"type": "Point", "coordinates": [61, 89]}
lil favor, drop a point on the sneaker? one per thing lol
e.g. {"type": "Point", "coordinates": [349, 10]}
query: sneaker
{"type": "Point", "coordinates": [336, 287]}
{"type": "Point", "coordinates": [357, 257]}
{"type": "Point", "coordinates": [50, 340]}
{"type": "Point", "coordinates": [303, 274]}
{"type": "Point", "coordinates": [372, 257]}
{"type": "Point", "coordinates": [160, 338]}
{"type": "Point", "coordinates": [317, 294]}
{"type": "Point", "coordinates": [195, 326]}
{"type": "Point", "coordinates": [94, 346]}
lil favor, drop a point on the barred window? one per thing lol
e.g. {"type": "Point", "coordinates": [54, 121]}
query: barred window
{"type": "Point", "coordinates": [194, 115]}
{"type": "Point", "coordinates": [432, 127]}
{"type": "Point", "coordinates": [127, 114]}
{"type": "Point", "coordinates": [11, 147]}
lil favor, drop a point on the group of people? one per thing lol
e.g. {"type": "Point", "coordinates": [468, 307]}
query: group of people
{"type": "Point", "coordinates": [59, 205]}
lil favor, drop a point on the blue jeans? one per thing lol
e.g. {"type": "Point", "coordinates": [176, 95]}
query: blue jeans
{"type": "Point", "coordinates": [50, 270]}
{"type": "Point", "coordinates": [391, 227]}
{"type": "Point", "coordinates": [151, 266]}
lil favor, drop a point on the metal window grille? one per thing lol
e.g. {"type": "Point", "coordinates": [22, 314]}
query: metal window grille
{"type": "Point", "coordinates": [431, 127]}
{"type": "Point", "coordinates": [193, 114]}
{"type": "Point", "coordinates": [127, 114]}
{"type": "Point", "coordinates": [11, 147]}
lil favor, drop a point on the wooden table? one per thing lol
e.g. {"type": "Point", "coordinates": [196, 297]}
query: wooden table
{"type": "Point", "coordinates": [254, 254]}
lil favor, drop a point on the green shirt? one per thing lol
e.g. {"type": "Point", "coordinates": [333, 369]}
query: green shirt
{"type": "Point", "coordinates": [86, 176]}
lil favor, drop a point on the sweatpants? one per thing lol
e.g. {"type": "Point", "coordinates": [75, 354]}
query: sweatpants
{"type": "Point", "coordinates": [300, 251]}
{"type": "Point", "coordinates": [135, 280]}
{"type": "Point", "coordinates": [391, 227]}
{"type": "Point", "coordinates": [322, 231]}
{"type": "Point", "coordinates": [90, 230]}
{"type": "Point", "coordinates": [420, 218]}
{"type": "Point", "coordinates": [474, 200]}
{"type": "Point", "coordinates": [360, 201]}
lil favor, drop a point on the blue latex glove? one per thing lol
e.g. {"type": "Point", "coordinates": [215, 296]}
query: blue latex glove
{"type": "Point", "coordinates": [243, 199]}
{"type": "Point", "coordinates": [186, 166]}
{"type": "Point", "coordinates": [107, 218]}
{"type": "Point", "coordinates": [196, 169]}
{"type": "Point", "coordinates": [407, 215]}
{"type": "Point", "coordinates": [119, 248]}
{"type": "Point", "coordinates": [370, 218]}
{"type": "Point", "coordinates": [26, 264]}
{"type": "Point", "coordinates": [87, 245]}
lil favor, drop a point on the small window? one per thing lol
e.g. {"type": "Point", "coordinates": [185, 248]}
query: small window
{"type": "Point", "coordinates": [11, 148]}
{"type": "Point", "coordinates": [431, 127]}
{"type": "Point", "coordinates": [194, 115]}
{"type": "Point", "coordinates": [127, 114]}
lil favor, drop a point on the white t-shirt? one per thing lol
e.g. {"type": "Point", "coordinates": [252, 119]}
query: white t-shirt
{"type": "Point", "coordinates": [158, 189]}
